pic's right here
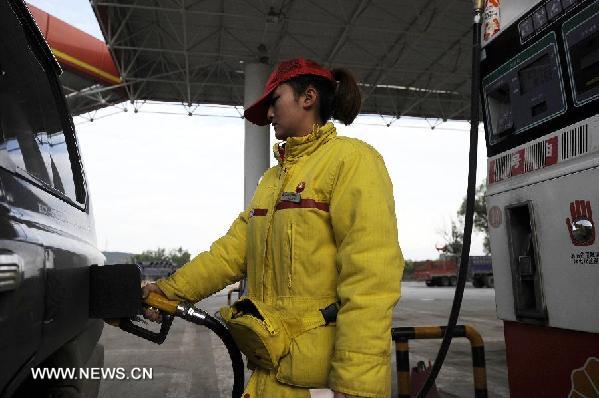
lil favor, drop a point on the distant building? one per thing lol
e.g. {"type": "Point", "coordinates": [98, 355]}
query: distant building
{"type": "Point", "coordinates": [153, 270]}
{"type": "Point", "coordinates": [117, 257]}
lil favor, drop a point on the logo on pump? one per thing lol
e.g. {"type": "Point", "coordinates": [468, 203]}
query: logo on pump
{"type": "Point", "coordinates": [495, 217]}
{"type": "Point", "coordinates": [585, 380]}
{"type": "Point", "coordinates": [581, 226]}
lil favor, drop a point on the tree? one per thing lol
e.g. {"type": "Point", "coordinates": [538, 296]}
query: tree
{"type": "Point", "coordinates": [408, 269]}
{"type": "Point", "coordinates": [454, 238]}
{"type": "Point", "coordinates": [179, 256]}
{"type": "Point", "coordinates": [175, 256]}
{"type": "Point", "coordinates": [480, 214]}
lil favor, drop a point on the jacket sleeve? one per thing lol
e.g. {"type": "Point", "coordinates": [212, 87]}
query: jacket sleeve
{"type": "Point", "coordinates": [211, 270]}
{"type": "Point", "coordinates": [370, 266]}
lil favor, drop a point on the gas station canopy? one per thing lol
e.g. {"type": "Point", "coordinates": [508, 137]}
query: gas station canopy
{"type": "Point", "coordinates": [411, 58]}
{"type": "Point", "coordinates": [90, 79]}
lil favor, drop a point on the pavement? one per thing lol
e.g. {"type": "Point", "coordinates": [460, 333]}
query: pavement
{"type": "Point", "coordinates": [192, 362]}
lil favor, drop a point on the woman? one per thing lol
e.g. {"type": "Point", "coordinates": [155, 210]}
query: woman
{"type": "Point", "coordinates": [319, 237]}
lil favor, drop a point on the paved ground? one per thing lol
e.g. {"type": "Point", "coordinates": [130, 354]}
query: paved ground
{"type": "Point", "coordinates": [194, 363]}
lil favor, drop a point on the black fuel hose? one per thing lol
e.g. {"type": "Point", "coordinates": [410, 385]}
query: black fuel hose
{"type": "Point", "coordinates": [465, 255]}
{"type": "Point", "coordinates": [236, 360]}
{"type": "Point", "coordinates": [187, 311]}
{"type": "Point", "coordinates": [202, 318]}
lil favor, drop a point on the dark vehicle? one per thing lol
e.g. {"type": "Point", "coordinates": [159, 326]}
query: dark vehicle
{"type": "Point", "coordinates": [481, 270]}
{"type": "Point", "coordinates": [47, 235]}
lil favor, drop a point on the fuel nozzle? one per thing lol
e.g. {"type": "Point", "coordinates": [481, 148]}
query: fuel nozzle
{"type": "Point", "coordinates": [181, 309]}
{"type": "Point", "coordinates": [168, 310]}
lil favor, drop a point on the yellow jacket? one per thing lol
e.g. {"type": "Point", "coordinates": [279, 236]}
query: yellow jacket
{"type": "Point", "coordinates": [339, 243]}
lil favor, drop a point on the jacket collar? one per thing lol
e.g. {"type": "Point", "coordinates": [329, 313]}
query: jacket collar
{"type": "Point", "coordinates": [296, 147]}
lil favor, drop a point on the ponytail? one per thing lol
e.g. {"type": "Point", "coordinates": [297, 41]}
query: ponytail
{"type": "Point", "coordinates": [348, 100]}
{"type": "Point", "coordinates": [341, 101]}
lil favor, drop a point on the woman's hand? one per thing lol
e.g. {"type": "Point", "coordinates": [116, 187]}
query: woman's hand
{"type": "Point", "coordinates": [149, 312]}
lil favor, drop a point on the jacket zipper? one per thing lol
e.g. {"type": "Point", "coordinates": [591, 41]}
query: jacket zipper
{"type": "Point", "coordinates": [290, 274]}
{"type": "Point", "coordinates": [269, 327]}
{"type": "Point", "coordinates": [286, 173]}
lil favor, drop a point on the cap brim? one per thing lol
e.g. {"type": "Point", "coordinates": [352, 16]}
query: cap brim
{"type": "Point", "coordinates": [257, 112]}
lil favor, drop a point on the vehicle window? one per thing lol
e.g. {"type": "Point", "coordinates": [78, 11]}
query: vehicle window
{"type": "Point", "coordinates": [31, 130]}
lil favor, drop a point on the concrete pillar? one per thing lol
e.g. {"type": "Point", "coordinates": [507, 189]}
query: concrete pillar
{"type": "Point", "coordinates": [256, 144]}
{"type": "Point", "coordinates": [257, 151]}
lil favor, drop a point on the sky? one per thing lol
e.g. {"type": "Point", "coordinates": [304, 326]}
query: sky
{"type": "Point", "coordinates": [159, 178]}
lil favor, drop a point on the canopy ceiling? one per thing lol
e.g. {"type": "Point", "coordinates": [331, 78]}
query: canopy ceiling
{"type": "Point", "coordinates": [412, 58]}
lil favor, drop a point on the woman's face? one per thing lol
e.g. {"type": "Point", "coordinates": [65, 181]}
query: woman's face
{"type": "Point", "coordinates": [287, 114]}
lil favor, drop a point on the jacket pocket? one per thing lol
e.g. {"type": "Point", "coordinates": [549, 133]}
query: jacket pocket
{"type": "Point", "coordinates": [309, 360]}
{"type": "Point", "coordinates": [258, 331]}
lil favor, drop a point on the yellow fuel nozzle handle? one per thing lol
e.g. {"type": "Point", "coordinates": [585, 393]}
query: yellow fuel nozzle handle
{"type": "Point", "coordinates": [159, 301]}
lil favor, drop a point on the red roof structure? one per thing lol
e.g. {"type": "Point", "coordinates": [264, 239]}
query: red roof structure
{"type": "Point", "coordinates": [90, 79]}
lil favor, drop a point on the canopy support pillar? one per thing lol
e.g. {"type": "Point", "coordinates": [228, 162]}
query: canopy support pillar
{"type": "Point", "coordinates": [256, 148]}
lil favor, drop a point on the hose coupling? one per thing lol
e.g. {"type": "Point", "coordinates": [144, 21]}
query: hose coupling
{"type": "Point", "coordinates": [479, 6]}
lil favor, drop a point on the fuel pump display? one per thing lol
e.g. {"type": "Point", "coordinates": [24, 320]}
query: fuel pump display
{"type": "Point", "coordinates": [525, 91]}
{"type": "Point", "coordinates": [582, 51]}
{"type": "Point", "coordinates": [540, 89]}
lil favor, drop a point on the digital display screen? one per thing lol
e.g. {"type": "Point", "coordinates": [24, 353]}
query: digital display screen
{"type": "Point", "coordinates": [585, 62]}
{"type": "Point", "coordinates": [500, 105]}
{"type": "Point", "coordinates": [524, 92]}
{"type": "Point", "coordinates": [536, 73]}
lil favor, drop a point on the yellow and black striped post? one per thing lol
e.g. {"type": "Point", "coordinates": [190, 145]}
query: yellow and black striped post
{"type": "Point", "coordinates": [402, 352]}
{"type": "Point", "coordinates": [403, 335]}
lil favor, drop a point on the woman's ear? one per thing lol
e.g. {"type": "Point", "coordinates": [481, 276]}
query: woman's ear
{"type": "Point", "coordinates": [310, 97]}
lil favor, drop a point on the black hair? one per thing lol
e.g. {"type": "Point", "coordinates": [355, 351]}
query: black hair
{"type": "Point", "coordinates": [341, 101]}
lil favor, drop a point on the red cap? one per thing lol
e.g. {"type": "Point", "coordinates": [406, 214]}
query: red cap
{"type": "Point", "coordinates": [256, 113]}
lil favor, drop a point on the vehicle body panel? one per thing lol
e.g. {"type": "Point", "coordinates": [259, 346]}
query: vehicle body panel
{"type": "Point", "coordinates": [47, 232]}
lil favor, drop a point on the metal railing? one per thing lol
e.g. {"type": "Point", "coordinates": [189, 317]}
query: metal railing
{"type": "Point", "coordinates": [402, 335]}
{"type": "Point", "coordinates": [230, 294]}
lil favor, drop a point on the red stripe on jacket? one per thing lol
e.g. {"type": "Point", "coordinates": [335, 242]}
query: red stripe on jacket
{"type": "Point", "coordinates": [303, 204]}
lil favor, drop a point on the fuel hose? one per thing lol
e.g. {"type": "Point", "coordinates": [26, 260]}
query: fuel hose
{"type": "Point", "coordinates": [468, 219]}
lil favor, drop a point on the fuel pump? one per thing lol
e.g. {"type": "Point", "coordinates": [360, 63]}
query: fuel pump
{"type": "Point", "coordinates": [540, 86]}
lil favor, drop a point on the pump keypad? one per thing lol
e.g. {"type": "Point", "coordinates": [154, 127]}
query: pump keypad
{"type": "Point", "coordinates": [548, 12]}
